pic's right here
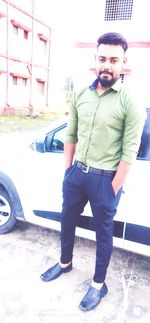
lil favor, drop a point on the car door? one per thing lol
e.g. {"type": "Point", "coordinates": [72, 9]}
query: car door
{"type": "Point", "coordinates": [137, 220]}
{"type": "Point", "coordinates": [42, 171]}
{"type": "Point", "coordinates": [139, 205]}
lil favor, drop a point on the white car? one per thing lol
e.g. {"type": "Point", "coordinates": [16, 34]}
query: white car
{"type": "Point", "coordinates": [31, 175]}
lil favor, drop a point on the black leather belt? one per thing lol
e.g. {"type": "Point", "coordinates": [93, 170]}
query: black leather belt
{"type": "Point", "coordinates": [88, 169]}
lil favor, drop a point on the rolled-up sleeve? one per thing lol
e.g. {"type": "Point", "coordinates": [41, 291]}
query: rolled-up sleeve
{"type": "Point", "coordinates": [133, 127]}
{"type": "Point", "coordinates": [72, 126]}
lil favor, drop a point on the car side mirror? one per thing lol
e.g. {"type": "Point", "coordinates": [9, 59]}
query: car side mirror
{"type": "Point", "coordinates": [57, 145]}
{"type": "Point", "coordinates": [39, 145]}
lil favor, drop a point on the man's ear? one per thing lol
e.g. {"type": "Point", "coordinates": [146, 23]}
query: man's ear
{"type": "Point", "coordinates": [125, 60]}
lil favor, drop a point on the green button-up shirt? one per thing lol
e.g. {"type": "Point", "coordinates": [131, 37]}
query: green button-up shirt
{"type": "Point", "coordinates": [105, 128]}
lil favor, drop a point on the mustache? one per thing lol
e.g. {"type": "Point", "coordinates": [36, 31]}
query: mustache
{"type": "Point", "coordinates": [105, 72]}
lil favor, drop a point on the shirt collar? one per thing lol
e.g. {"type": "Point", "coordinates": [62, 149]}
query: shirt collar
{"type": "Point", "coordinates": [117, 86]}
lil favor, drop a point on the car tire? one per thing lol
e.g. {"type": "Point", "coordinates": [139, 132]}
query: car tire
{"type": "Point", "coordinates": [7, 213]}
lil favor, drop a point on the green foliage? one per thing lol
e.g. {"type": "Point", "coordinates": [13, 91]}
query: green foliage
{"type": "Point", "coordinates": [69, 87]}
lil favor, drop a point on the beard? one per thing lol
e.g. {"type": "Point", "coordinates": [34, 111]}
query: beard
{"type": "Point", "coordinates": [106, 83]}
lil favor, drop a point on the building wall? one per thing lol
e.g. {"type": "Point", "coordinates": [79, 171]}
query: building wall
{"type": "Point", "coordinates": [33, 70]}
{"type": "Point", "coordinates": [138, 36]}
{"type": "Point", "coordinates": [25, 69]}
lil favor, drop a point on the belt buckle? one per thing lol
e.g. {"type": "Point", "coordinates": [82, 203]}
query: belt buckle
{"type": "Point", "coordinates": [86, 170]}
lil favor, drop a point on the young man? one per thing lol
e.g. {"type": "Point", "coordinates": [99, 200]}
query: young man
{"type": "Point", "coordinates": [103, 134]}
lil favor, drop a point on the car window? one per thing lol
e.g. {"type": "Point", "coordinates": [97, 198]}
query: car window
{"type": "Point", "coordinates": [55, 143]}
{"type": "Point", "coordinates": [144, 150]}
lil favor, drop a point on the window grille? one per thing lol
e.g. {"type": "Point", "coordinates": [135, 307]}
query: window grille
{"type": "Point", "coordinates": [118, 10]}
{"type": "Point", "coordinates": [25, 33]}
{"type": "Point", "coordinates": [24, 81]}
{"type": "Point", "coordinates": [15, 80]}
{"type": "Point", "coordinates": [40, 87]}
{"type": "Point", "coordinates": [15, 30]}
{"type": "Point", "coordinates": [43, 45]}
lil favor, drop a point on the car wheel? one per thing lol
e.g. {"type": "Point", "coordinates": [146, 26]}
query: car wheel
{"type": "Point", "coordinates": [7, 216]}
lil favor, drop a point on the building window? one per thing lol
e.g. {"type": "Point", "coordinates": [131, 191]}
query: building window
{"type": "Point", "coordinates": [15, 80]}
{"type": "Point", "coordinates": [17, 26]}
{"type": "Point", "coordinates": [118, 10]}
{"type": "Point", "coordinates": [25, 32]}
{"type": "Point", "coordinates": [43, 45]}
{"type": "Point", "coordinates": [15, 30]}
{"type": "Point", "coordinates": [40, 87]}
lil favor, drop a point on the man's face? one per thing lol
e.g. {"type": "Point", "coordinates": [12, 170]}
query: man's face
{"type": "Point", "coordinates": [110, 60]}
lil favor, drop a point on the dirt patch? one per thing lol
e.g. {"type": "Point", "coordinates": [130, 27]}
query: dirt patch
{"type": "Point", "coordinates": [25, 123]}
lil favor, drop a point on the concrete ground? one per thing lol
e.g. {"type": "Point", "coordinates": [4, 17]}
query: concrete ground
{"type": "Point", "coordinates": [28, 251]}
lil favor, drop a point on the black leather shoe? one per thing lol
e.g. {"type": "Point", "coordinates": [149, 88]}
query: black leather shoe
{"type": "Point", "coordinates": [92, 298]}
{"type": "Point", "coordinates": [54, 272]}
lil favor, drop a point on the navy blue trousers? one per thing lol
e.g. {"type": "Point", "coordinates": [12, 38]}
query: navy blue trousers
{"type": "Point", "coordinates": [78, 189]}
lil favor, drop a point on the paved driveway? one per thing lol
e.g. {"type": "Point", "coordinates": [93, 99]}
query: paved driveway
{"type": "Point", "coordinates": [29, 250]}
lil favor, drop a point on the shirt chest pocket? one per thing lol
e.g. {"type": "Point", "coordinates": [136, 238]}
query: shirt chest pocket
{"type": "Point", "coordinates": [111, 117]}
{"type": "Point", "coordinates": [86, 110]}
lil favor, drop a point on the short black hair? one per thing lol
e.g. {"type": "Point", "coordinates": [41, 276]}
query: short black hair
{"type": "Point", "coordinates": [113, 38]}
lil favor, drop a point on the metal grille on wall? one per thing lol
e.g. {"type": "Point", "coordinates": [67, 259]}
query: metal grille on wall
{"type": "Point", "coordinates": [118, 10]}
